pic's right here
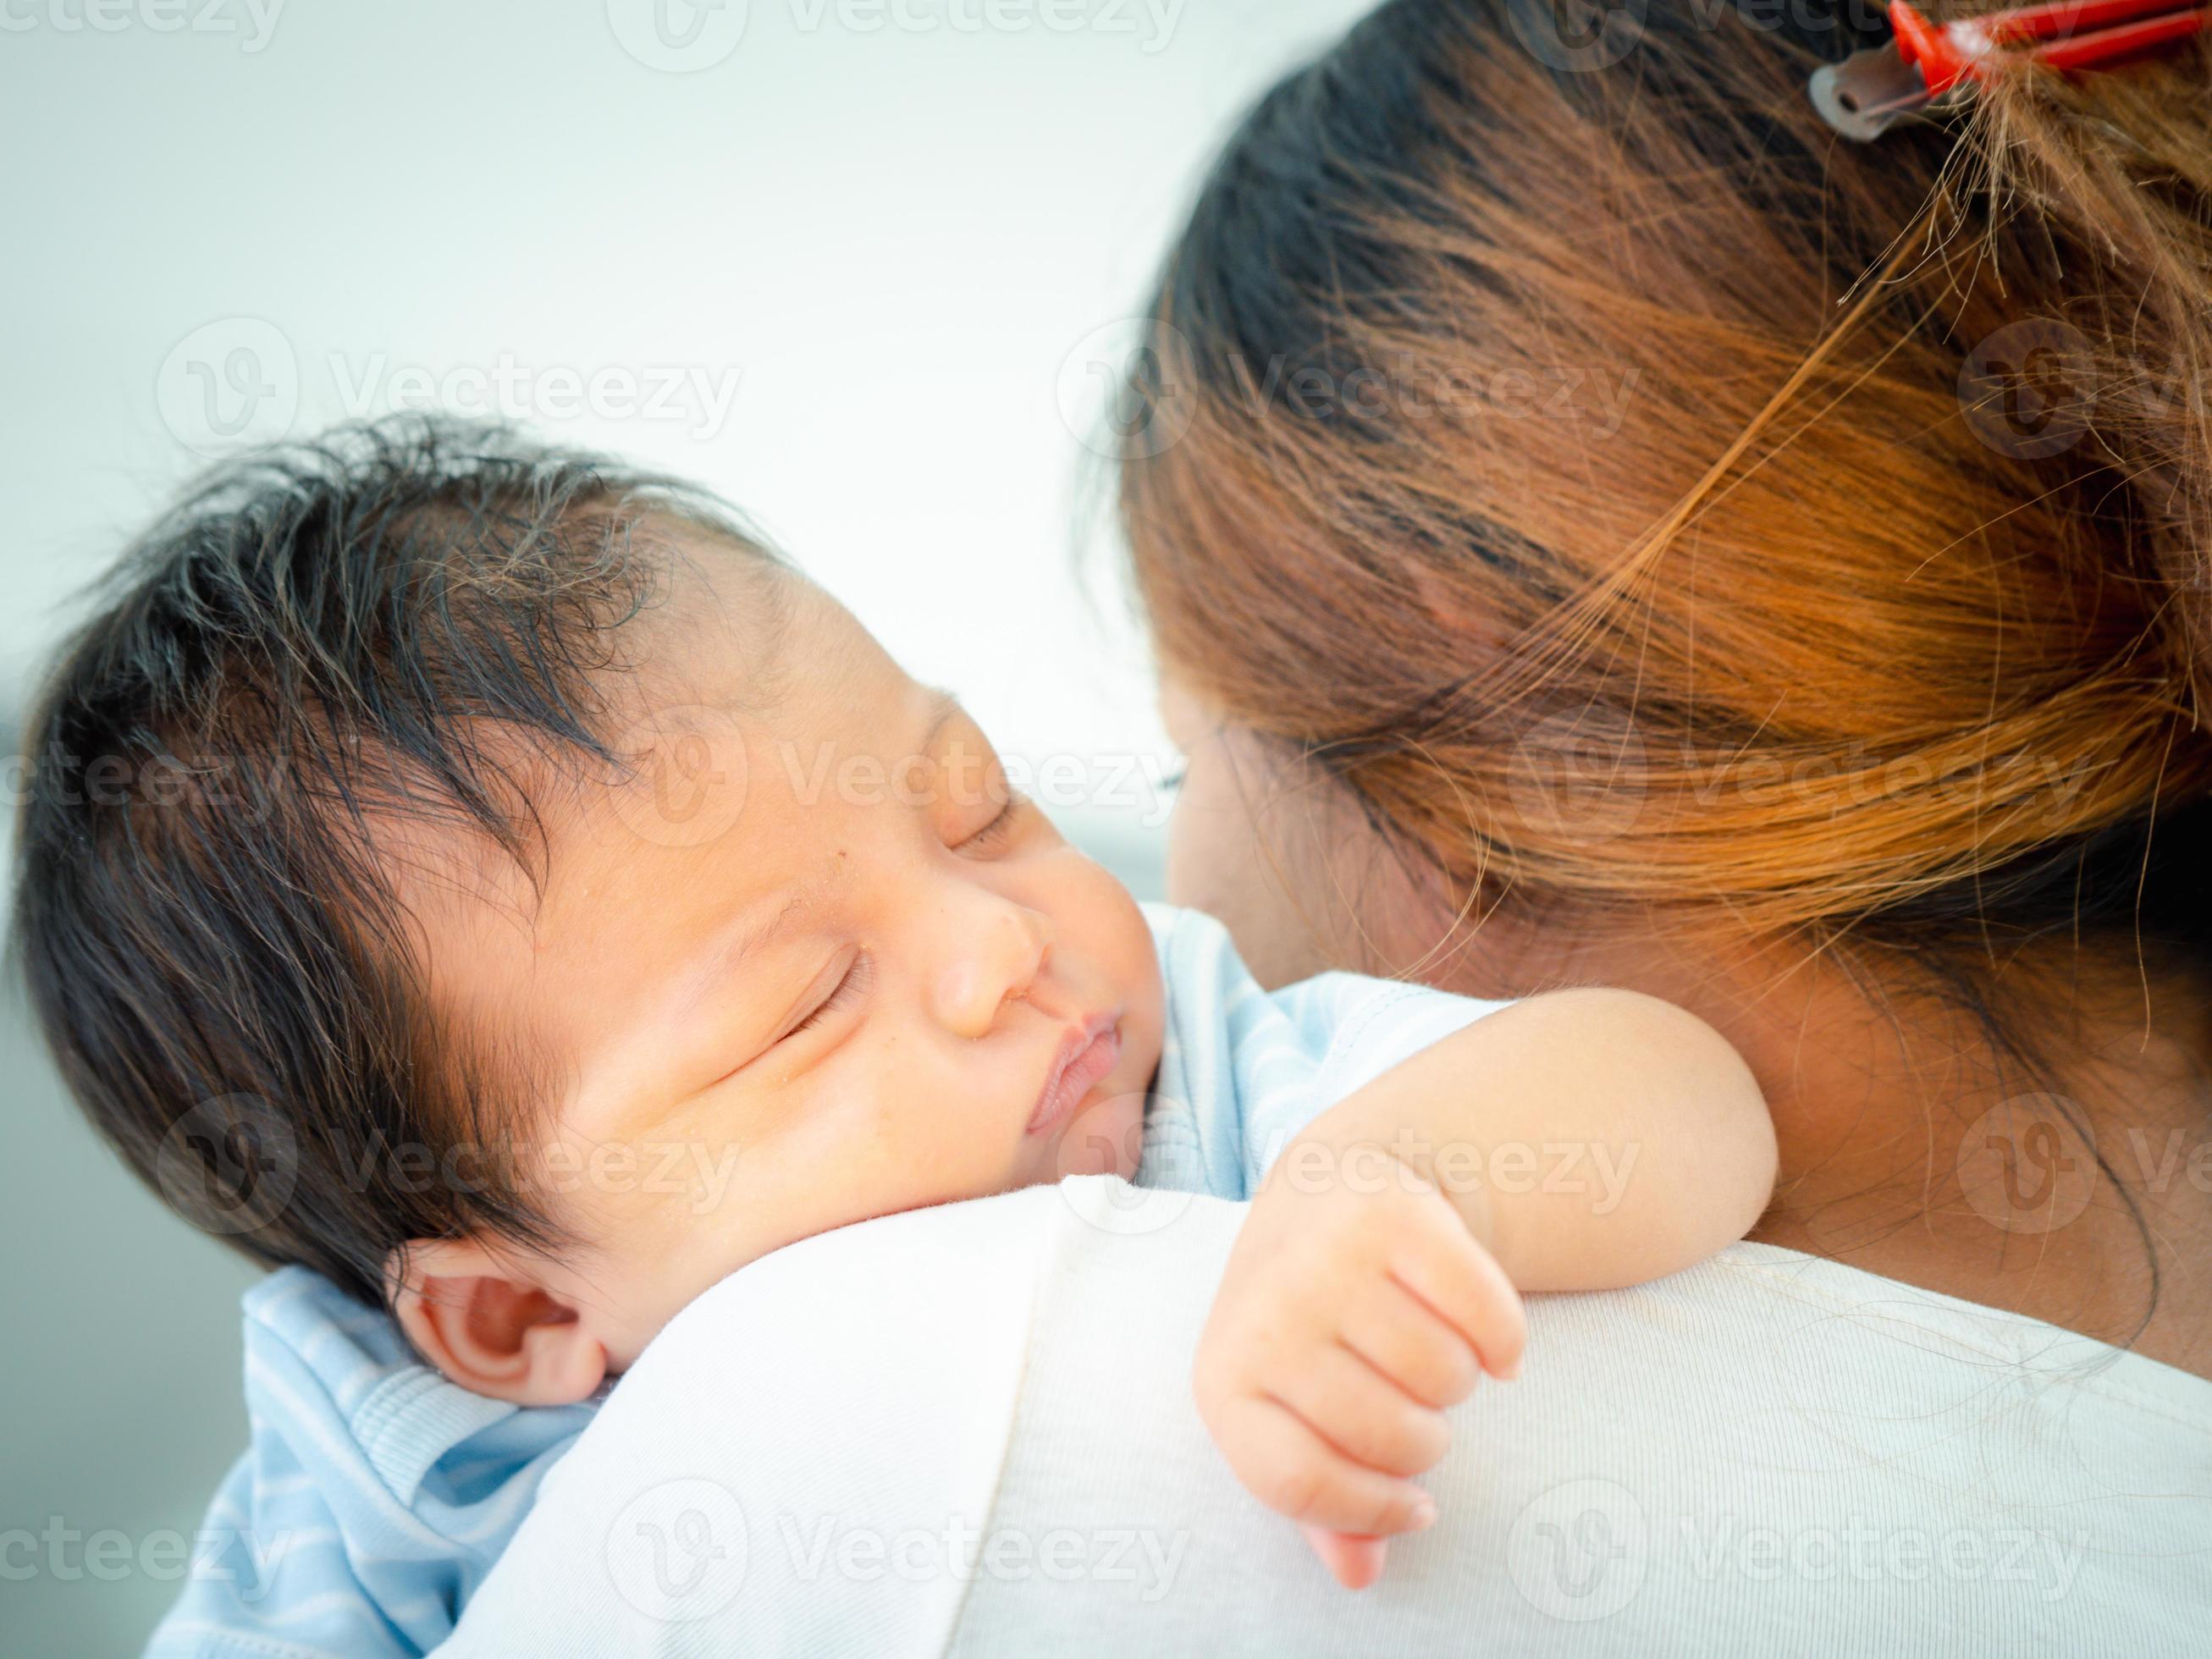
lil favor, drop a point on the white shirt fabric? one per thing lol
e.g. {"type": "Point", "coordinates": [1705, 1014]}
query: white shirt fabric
{"type": "Point", "coordinates": [969, 1431]}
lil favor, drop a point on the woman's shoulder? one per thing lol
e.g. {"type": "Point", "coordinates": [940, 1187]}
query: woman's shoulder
{"type": "Point", "coordinates": [1819, 1298]}
{"type": "Point", "coordinates": [1766, 1443]}
{"type": "Point", "coordinates": [975, 1421]}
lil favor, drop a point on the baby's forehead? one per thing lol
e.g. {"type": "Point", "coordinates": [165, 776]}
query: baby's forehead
{"type": "Point", "coordinates": [749, 637]}
{"type": "Point", "coordinates": [730, 647]}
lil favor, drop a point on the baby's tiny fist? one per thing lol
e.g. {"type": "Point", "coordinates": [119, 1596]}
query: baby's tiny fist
{"type": "Point", "coordinates": [1347, 1318]}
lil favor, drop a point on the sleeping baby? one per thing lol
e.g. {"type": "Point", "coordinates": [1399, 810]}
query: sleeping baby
{"type": "Point", "coordinates": [490, 885]}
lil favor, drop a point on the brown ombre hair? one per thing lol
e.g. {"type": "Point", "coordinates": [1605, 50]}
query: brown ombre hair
{"type": "Point", "coordinates": [1519, 400]}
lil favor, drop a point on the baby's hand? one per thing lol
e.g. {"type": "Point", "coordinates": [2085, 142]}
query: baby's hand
{"type": "Point", "coordinates": [1355, 1306]}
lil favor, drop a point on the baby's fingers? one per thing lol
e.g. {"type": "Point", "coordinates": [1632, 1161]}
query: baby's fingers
{"type": "Point", "coordinates": [1463, 1283]}
{"type": "Point", "coordinates": [1367, 1416]}
{"type": "Point", "coordinates": [1408, 1341]}
{"type": "Point", "coordinates": [1295, 1471]}
{"type": "Point", "coordinates": [1354, 1562]}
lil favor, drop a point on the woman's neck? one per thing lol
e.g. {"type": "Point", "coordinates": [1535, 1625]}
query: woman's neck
{"type": "Point", "coordinates": [2078, 1192]}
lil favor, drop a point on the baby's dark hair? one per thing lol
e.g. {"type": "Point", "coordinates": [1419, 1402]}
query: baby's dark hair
{"type": "Point", "coordinates": [386, 626]}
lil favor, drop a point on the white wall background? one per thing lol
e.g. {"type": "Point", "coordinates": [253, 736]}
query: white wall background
{"type": "Point", "coordinates": [886, 226]}
{"type": "Point", "coordinates": [879, 245]}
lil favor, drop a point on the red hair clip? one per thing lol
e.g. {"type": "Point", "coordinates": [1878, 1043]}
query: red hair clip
{"type": "Point", "coordinates": [1862, 95]}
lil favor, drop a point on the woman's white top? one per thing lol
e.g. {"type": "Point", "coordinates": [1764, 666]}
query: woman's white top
{"type": "Point", "coordinates": [969, 1430]}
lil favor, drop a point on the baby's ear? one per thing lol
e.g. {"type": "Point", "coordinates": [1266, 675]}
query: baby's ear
{"type": "Point", "coordinates": [477, 1317]}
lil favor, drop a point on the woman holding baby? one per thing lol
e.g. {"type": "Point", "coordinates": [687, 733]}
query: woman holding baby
{"type": "Point", "coordinates": [1599, 529]}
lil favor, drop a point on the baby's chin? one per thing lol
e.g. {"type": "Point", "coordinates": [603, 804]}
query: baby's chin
{"type": "Point", "coordinates": [1104, 1137]}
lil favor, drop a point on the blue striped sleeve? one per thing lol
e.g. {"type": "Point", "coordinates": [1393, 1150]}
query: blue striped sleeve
{"type": "Point", "coordinates": [373, 1499]}
{"type": "Point", "coordinates": [1242, 1070]}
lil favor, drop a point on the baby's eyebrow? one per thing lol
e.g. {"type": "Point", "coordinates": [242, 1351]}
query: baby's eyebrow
{"type": "Point", "coordinates": [940, 707]}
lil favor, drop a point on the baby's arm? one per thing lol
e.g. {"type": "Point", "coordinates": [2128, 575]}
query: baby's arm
{"type": "Point", "coordinates": [1581, 1141]}
{"type": "Point", "coordinates": [1590, 1138]}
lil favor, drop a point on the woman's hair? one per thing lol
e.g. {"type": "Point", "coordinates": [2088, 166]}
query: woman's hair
{"type": "Point", "coordinates": [1643, 498]}
{"type": "Point", "coordinates": [406, 624]}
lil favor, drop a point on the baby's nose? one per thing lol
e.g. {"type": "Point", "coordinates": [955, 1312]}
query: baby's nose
{"type": "Point", "coordinates": [999, 967]}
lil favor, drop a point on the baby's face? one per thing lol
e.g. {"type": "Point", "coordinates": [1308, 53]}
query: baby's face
{"type": "Point", "coordinates": [814, 965]}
